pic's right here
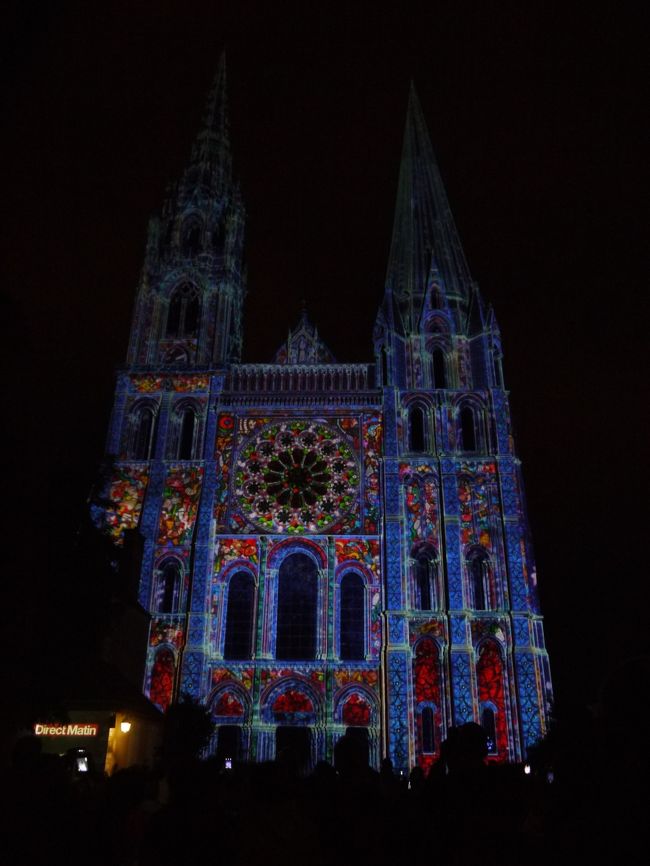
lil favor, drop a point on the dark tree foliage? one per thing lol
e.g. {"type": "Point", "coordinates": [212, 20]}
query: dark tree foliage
{"type": "Point", "coordinates": [188, 728]}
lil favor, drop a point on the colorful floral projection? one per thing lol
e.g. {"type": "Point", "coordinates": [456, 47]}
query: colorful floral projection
{"type": "Point", "coordinates": [228, 705]}
{"type": "Point", "coordinates": [292, 706]}
{"type": "Point", "coordinates": [222, 452]}
{"type": "Point", "coordinates": [125, 493]}
{"type": "Point", "coordinates": [149, 383]}
{"type": "Point", "coordinates": [372, 452]}
{"type": "Point", "coordinates": [179, 505]}
{"type": "Point", "coordinates": [356, 711]}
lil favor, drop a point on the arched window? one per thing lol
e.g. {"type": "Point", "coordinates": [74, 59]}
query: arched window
{"type": "Point", "coordinates": [191, 239]}
{"type": "Point", "coordinates": [191, 316]}
{"type": "Point", "coordinates": [186, 434]}
{"type": "Point", "coordinates": [297, 597]}
{"type": "Point", "coordinates": [427, 692]}
{"type": "Point", "coordinates": [428, 731]}
{"type": "Point", "coordinates": [239, 621]}
{"type": "Point", "coordinates": [352, 620]}
{"type": "Point", "coordinates": [489, 725]}
{"type": "Point", "coordinates": [439, 368]}
{"type": "Point", "coordinates": [183, 313]}
{"type": "Point", "coordinates": [480, 580]}
{"type": "Point", "coordinates": [143, 434]}
{"type": "Point", "coordinates": [416, 430]}
{"type": "Point", "coordinates": [384, 366]}
{"type": "Point", "coordinates": [162, 679]}
{"type": "Point", "coordinates": [168, 586]}
{"type": "Point", "coordinates": [425, 580]}
{"type": "Point", "coordinates": [467, 429]}
{"type": "Point", "coordinates": [491, 696]}
{"type": "Point", "coordinates": [174, 315]}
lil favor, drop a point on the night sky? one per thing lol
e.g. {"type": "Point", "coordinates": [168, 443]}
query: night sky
{"type": "Point", "coordinates": [537, 119]}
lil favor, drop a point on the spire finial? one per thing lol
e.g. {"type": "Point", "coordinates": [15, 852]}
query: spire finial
{"type": "Point", "coordinates": [211, 155]}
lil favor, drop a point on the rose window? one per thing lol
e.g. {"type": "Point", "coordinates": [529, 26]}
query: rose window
{"type": "Point", "coordinates": [296, 477]}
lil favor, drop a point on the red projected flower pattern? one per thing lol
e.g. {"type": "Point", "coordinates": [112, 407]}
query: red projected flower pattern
{"type": "Point", "coordinates": [296, 477]}
{"type": "Point", "coordinates": [426, 681]}
{"type": "Point", "coordinates": [228, 705]}
{"type": "Point", "coordinates": [489, 673]}
{"type": "Point", "coordinates": [162, 680]}
{"type": "Point", "coordinates": [292, 706]}
{"type": "Point", "coordinates": [356, 712]}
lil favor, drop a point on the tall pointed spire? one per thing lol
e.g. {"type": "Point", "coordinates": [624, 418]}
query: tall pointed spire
{"type": "Point", "coordinates": [424, 233]}
{"type": "Point", "coordinates": [211, 160]}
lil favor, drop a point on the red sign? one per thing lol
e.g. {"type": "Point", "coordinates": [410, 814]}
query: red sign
{"type": "Point", "coordinates": [71, 730]}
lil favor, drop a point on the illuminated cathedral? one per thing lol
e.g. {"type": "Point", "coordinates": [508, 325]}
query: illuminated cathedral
{"type": "Point", "coordinates": [327, 545]}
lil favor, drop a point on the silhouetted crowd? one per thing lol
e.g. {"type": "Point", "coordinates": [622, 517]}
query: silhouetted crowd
{"type": "Point", "coordinates": [466, 811]}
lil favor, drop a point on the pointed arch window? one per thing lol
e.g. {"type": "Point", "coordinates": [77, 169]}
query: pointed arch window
{"type": "Point", "coordinates": [191, 238]}
{"type": "Point", "coordinates": [467, 429]}
{"type": "Point", "coordinates": [143, 433]}
{"type": "Point", "coordinates": [417, 430]}
{"type": "Point", "coordinates": [352, 617]}
{"type": "Point", "coordinates": [489, 725]}
{"type": "Point", "coordinates": [187, 432]}
{"type": "Point", "coordinates": [490, 676]}
{"type": "Point", "coordinates": [297, 600]}
{"type": "Point", "coordinates": [168, 587]}
{"type": "Point", "coordinates": [239, 620]}
{"type": "Point", "coordinates": [384, 365]}
{"type": "Point", "coordinates": [425, 568]}
{"type": "Point", "coordinates": [480, 580]}
{"type": "Point", "coordinates": [427, 689]}
{"type": "Point", "coordinates": [174, 315]}
{"type": "Point", "coordinates": [428, 731]}
{"type": "Point", "coordinates": [183, 313]}
{"type": "Point", "coordinates": [439, 366]}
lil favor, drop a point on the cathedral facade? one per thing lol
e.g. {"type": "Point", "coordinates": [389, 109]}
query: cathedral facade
{"type": "Point", "coordinates": [327, 546]}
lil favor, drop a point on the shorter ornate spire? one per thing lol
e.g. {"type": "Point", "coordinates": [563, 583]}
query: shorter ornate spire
{"type": "Point", "coordinates": [303, 345]}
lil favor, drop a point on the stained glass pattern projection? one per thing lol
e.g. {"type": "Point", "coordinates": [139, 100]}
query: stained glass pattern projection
{"type": "Point", "coordinates": [296, 477]}
{"type": "Point", "coordinates": [126, 493]}
{"type": "Point", "coordinates": [179, 506]}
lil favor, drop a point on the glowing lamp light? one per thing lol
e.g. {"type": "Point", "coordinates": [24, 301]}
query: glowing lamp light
{"type": "Point", "coordinates": [125, 726]}
{"type": "Point", "coordinates": [527, 769]}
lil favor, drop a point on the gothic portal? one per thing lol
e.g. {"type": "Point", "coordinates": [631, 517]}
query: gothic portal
{"type": "Point", "coordinates": [327, 545]}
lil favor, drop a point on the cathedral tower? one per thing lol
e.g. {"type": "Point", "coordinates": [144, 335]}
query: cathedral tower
{"type": "Point", "coordinates": [328, 546]}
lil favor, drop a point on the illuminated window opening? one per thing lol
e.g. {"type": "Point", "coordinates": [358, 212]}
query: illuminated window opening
{"type": "Point", "coordinates": [416, 430]}
{"type": "Point", "coordinates": [297, 598]}
{"type": "Point", "coordinates": [352, 617]}
{"type": "Point", "coordinates": [467, 429]}
{"type": "Point", "coordinates": [239, 619]}
{"type": "Point", "coordinates": [186, 438]}
{"type": "Point", "coordinates": [439, 368]}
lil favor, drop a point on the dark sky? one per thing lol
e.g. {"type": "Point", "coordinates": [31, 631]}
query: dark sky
{"type": "Point", "coordinates": [537, 118]}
